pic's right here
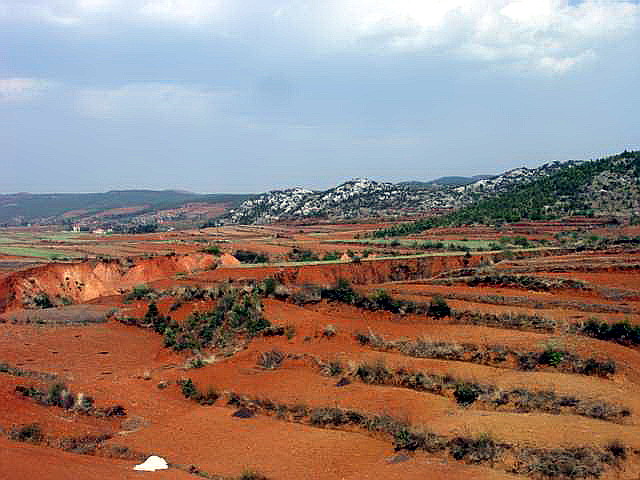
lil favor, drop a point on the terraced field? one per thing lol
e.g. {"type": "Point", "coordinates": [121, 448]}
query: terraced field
{"type": "Point", "coordinates": [446, 365]}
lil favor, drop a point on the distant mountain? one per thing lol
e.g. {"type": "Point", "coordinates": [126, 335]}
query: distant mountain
{"type": "Point", "coordinates": [445, 181]}
{"type": "Point", "coordinates": [609, 186]}
{"type": "Point", "coordinates": [367, 198]}
{"type": "Point", "coordinates": [24, 208]}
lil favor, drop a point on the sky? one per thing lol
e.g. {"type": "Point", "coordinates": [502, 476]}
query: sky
{"type": "Point", "coordinates": [254, 95]}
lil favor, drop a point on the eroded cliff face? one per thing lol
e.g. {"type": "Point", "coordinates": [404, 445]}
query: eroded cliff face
{"type": "Point", "coordinates": [81, 282]}
{"type": "Point", "coordinates": [368, 271]}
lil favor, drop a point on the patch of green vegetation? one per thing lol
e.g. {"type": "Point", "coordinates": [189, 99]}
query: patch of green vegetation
{"type": "Point", "coordinates": [331, 256]}
{"type": "Point", "coordinates": [302, 255]}
{"type": "Point", "coordinates": [538, 200]}
{"type": "Point", "coordinates": [51, 254]}
{"type": "Point", "coordinates": [141, 292]}
{"type": "Point", "coordinates": [619, 332]}
{"type": "Point", "coordinates": [237, 312]}
{"type": "Point", "coordinates": [191, 392]}
{"type": "Point", "coordinates": [61, 237]}
{"type": "Point", "coordinates": [31, 433]}
{"type": "Point", "coordinates": [467, 393]}
{"type": "Point", "coordinates": [494, 355]}
{"type": "Point", "coordinates": [247, 256]}
{"type": "Point", "coordinates": [212, 250]}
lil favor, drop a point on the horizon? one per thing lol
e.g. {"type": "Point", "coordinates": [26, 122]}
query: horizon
{"type": "Point", "coordinates": [315, 189]}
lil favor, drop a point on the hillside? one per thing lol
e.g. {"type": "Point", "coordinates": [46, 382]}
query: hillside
{"type": "Point", "coordinates": [608, 186]}
{"type": "Point", "coordinates": [367, 198]}
{"type": "Point", "coordinates": [24, 208]}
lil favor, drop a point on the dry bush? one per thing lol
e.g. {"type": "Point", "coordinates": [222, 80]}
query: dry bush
{"type": "Point", "coordinates": [271, 360]}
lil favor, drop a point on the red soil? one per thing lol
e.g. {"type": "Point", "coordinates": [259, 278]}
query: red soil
{"type": "Point", "coordinates": [118, 364]}
{"type": "Point", "coordinates": [84, 281]}
{"type": "Point", "coordinates": [21, 461]}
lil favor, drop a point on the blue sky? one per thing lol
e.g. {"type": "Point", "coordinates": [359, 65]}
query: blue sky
{"type": "Point", "coordinates": [253, 95]}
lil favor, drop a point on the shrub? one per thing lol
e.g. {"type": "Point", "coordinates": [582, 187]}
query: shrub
{"type": "Point", "coordinates": [383, 301]}
{"type": "Point", "coordinates": [247, 256]}
{"type": "Point", "coordinates": [271, 360]}
{"type": "Point", "coordinates": [331, 256]}
{"type": "Point", "coordinates": [114, 411]}
{"type": "Point", "coordinates": [31, 433]}
{"type": "Point", "coordinates": [208, 398]}
{"type": "Point", "coordinates": [376, 374]}
{"type": "Point", "coordinates": [42, 300]}
{"type": "Point", "coordinates": [195, 362]}
{"type": "Point", "coordinates": [466, 393]}
{"type": "Point", "coordinates": [155, 319]}
{"type": "Point", "coordinates": [329, 331]}
{"type": "Point", "coordinates": [551, 357]}
{"type": "Point", "coordinates": [251, 475]}
{"type": "Point", "coordinates": [407, 439]}
{"type": "Point", "coordinates": [438, 307]}
{"type": "Point", "coordinates": [188, 388]}
{"type": "Point", "coordinates": [478, 450]}
{"type": "Point", "coordinates": [595, 367]}
{"type": "Point", "coordinates": [140, 292]}
{"type": "Point", "coordinates": [617, 449]}
{"type": "Point", "coordinates": [289, 331]}
{"type": "Point", "coordinates": [58, 395]}
{"type": "Point", "coordinates": [328, 416]}
{"type": "Point", "coordinates": [191, 392]}
{"type": "Point", "coordinates": [333, 368]}
{"type": "Point", "coordinates": [269, 285]}
{"type": "Point", "coordinates": [84, 445]}
{"type": "Point", "coordinates": [301, 255]}
{"type": "Point", "coordinates": [212, 250]}
{"type": "Point", "coordinates": [620, 332]}
{"type": "Point", "coordinates": [560, 463]}
{"type": "Point", "coordinates": [340, 292]}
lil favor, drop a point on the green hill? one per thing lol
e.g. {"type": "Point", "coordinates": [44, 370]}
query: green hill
{"type": "Point", "coordinates": [608, 186]}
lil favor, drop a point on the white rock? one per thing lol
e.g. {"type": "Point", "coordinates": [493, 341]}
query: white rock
{"type": "Point", "coordinates": [152, 464]}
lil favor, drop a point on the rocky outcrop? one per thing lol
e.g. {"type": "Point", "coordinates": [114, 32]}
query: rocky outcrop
{"type": "Point", "coordinates": [365, 198]}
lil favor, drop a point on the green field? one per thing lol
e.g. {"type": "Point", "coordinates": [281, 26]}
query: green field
{"type": "Point", "coordinates": [61, 236]}
{"type": "Point", "coordinates": [47, 253]}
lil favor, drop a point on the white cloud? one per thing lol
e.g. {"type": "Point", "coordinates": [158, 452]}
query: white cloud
{"type": "Point", "coordinates": [150, 101]}
{"type": "Point", "coordinates": [546, 35]}
{"type": "Point", "coordinates": [183, 11]}
{"type": "Point", "coordinates": [20, 89]}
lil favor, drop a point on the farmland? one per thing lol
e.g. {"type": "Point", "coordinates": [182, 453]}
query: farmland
{"type": "Point", "coordinates": [461, 352]}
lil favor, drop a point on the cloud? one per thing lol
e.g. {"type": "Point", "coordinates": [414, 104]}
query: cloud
{"type": "Point", "coordinates": [21, 89]}
{"type": "Point", "coordinates": [553, 36]}
{"type": "Point", "coordinates": [148, 101]}
{"type": "Point", "coordinates": [79, 12]}
{"type": "Point", "coordinates": [547, 35]}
